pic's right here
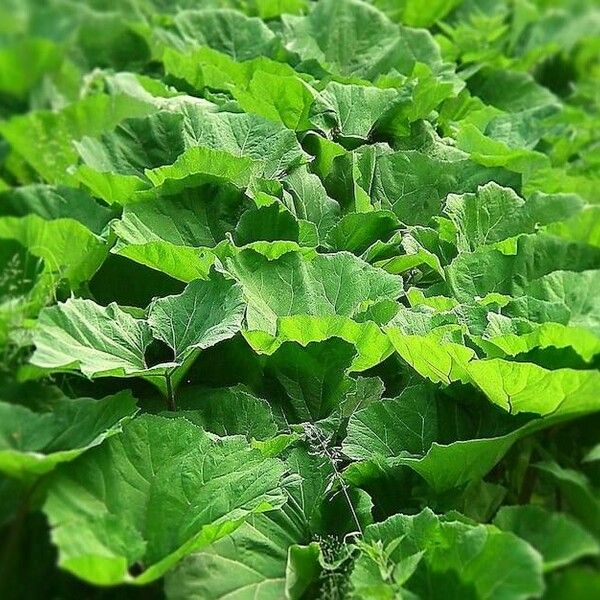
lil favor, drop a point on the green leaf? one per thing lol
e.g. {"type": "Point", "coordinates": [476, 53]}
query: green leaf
{"type": "Point", "coordinates": [180, 262]}
{"type": "Point", "coordinates": [583, 227]}
{"type": "Point", "coordinates": [506, 337]}
{"type": "Point", "coordinates": [227, 411]}
{"type": "Point", "coordinates": [303, 568]}
{"type": "Point", "coordinates": [24, 64]}
{"type": "Point", "coordinates": [488, 270]}
{"type": "Point", "coordinates": [447, 449]}
{"type": "Point", "coordinates": [128, 159]}
{"type": "Point", "coordinates": [494, 214]}
{"type": "Point", "coordinates": [178, 491]}
{"type": "Point", "coordinates": [371, 345]}
{"type": "Point", "coordinates": [581, 495]}
{"type": "Point", "coordinates": [525, 387]}
{"type": "Point", "coordinates": [56, 202]}
{"type": "Point", "coordinates": [287, 100]}
{"type": "Point", "coordinates": [197, 218]}
{"type": "Point", "coordinates": [196, 166]}
{"type": "Point", "coordinates": [175, 234]}
{"type": "Point", "coordinates": [32, 444]}
{"type": "Point", "coordinates": [494, 153]}
{"type": "Point", "coordinates": [390, 428]}
{"type": "Point", "coordinates": [53, 153]}
{"type": "Point", "coordinates": [249, 563]}
{"type": "Point", "coordinates": [269, 223]}
{"type": "Point", "coordinates": [206, 313]}
{"type": "Point", "coordinates": [562, 296]}
{"type": "Point", "coordinates": [80, 334]}
{"type": "Point", "coordinates": [70, 251]}
{"type": "Point", "coordinates": [253, 561]}
{"type": "Point", "coordinates": [227, 31]}
{"type": "Point", "coordinates": [511, 90]}
{"type": "Point", "coordinates": [108, 341]}
{"type": "Point", "coordinates": [413, 184]}
{"type": "Point", "coordinates": [313, 377]}
{"type": "Point", "coordinates": [261, 86]}
{"type": "Point", "coordinates": [325, 285]}
{"type": "Point", "coordinates": [458, 559]}
{"type": "Point", "coordinates": [557, 537]}
{"type": "Point", "coordinates": [352, 111]}
{"type": "Point", "coordinates": [307, 198]}
{"type": "Point", "coordinates": [437, 359]}
{"type": "Point", "coordinates": [414, 13]}
{"type": "Point", "coordinates": [377, 47]}
{"type": "Point", "coordinates": [355, 232]}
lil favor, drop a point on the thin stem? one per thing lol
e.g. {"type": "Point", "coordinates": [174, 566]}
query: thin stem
{"type": "Point", "coordinates": [11, 551]}
{"type": "Point", "coordinates": [337, 475]}
{"type": "Point", "coordinates": [529, 482]}
{"type": "Point", "coordinates": [171, 402]}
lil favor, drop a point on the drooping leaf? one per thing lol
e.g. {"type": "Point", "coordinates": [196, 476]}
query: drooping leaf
{"type": "Point", "coordinates": [524, 387]}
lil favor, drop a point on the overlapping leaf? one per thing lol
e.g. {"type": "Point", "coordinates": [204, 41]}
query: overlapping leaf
{"type": "Point", "coordinates": [366, 251]}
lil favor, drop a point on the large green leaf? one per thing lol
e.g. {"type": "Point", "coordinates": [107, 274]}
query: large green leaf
{"type": "Point", "coordinates": [504, 337]}
{"type": "Point", "coordinates": [563, 296]}
{"type": "Point", "coordinates": [260, 86]}
{"type": "Point", "coordinates": [524, 387]}
{"type": "Point", "coordinates": [53, 153]}
{"type": "Point", "coordinates": [70, 251]}
{"type": "Point", "coordinates": [146, 498]}
{"type": "Point", "coordinates": [371, 344]}
{"type": "Point", "coordinates": [227, 31]}
{"type": "Point", "coordinates": [175, 234]}
{"type": "Point", "coordinates": [130, 158]}
{"type": "Point", "coordinates": [352, 111]}
{"type": "Point", "coordinates": [56, 202]}
{"type": "Point", "coordinates": [256, 560]}
{"type": "Point", "coordinates": [494, 214]}
{"type": "Point", "coordinates": [307, 198]}
{"type": "Point", "coordinates": [488, 270]}
{"type": "Point", "coordinates": [108, 341]}
{"type": "Point", "coordinates": [558, 538]}
{"type": "Point", "coordinates": [389, 428]}
{"type": "Point", "coordinates": [32, 444]}
{"type": "Point", "coordinates": [227, 411]}
{"type": "Point", "coordinates": [206, 313]}
{"type": "Point", "coordinates": [313, 377]}
{"type": "Point", "coordinates": [248, 564]}
{"type": "Point", "coordinates": [80, 334]}
{"type": "Point", "coordinates": [441, 442]}
{"type": "Point", "coordinates": [377, 46]}
{"type": "Point", "coordinates": [325, 285]}
{"type": "Point", "coordinates": [413, 184]}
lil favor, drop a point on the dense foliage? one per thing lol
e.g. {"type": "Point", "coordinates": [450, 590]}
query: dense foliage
{"type": "Point", "coordinates": [300, 299]}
